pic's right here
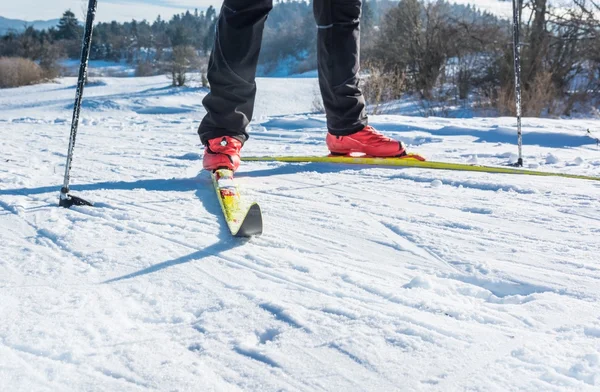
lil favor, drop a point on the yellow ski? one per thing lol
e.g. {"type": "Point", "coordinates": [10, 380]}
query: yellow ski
{"type": "Point", "coordinates": [414, 161]}
{"type": "Point", "coordinates": [243, 219]}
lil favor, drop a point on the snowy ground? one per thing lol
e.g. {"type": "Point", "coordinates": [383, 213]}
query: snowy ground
{"type": "Point", "coordinates": [365, 279]}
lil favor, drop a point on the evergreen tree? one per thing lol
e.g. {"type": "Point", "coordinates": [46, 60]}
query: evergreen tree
{"type": "Point", "coordinates": [68, 27]}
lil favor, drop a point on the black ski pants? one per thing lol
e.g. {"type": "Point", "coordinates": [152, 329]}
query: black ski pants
{"type": "Point", "coordinates": [234, 58]}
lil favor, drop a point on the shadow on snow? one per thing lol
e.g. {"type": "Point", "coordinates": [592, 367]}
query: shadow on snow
{"type": "Point", "coordinates": [495, 134]}
{"type": "Point", "coordinates": [211, 205]}
{"type": "Point", "coordinates": [203, 193]}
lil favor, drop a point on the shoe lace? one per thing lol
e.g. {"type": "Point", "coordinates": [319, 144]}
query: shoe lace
{"type": "Point", "coordinates": [376, 136]}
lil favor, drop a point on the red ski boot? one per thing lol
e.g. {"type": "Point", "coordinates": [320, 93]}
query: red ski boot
{"type": "Point", "coordinates": [222, 152]}
{"type": "Point", "coordinates": [368, 141]}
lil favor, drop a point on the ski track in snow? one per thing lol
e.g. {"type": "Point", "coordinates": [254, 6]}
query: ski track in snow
{"type": "Point", "coordinates": [365, 279]}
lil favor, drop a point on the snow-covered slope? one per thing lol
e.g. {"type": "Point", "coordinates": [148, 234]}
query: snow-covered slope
{"type": "Point", "coordinates": [365, 279]}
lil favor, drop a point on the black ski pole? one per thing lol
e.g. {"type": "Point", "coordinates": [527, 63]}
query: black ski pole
{"type": "Point", "coordinates": [596, 139]}
{"type": "Point", "coordinates": [66, 200]}
{"type": "Point", "coordinates": [517, 66]}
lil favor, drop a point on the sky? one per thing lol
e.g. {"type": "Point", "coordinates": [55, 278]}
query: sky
{"type": "Point", "coordinates": [108, 10]}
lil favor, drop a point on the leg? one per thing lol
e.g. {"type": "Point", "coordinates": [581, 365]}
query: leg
{"type": "Point", "coordinates": [232, 67]}
{"type": "Point", "coordinates": [338, 63]}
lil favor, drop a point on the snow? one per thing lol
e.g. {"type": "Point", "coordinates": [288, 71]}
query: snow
{"type": "Point", "coordinates": [70, 67]}
{"type": "Point", "coordinates": [365, 279]}
{"type": "Point", "coordinates": [552, 159]}
{"type": "Point", "coordinates": [436, 183]}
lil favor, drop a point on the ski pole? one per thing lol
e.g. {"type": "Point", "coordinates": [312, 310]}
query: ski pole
{"type": "Point", "coordinates": [591, 135]}
{"type": "Point", "coordinates": [517, 66]}
{"type": "Point", "coordinates": [66, 200]}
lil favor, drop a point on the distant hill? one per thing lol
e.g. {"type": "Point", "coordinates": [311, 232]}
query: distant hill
{"type": "Point", "coordinates": [19, 25]}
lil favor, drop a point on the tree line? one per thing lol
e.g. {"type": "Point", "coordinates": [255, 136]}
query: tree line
{"type": "Point", "coordinates": [453, 54]}
{"type": "Point", "coordinates": [134, 42]}
{"type": "Point", "coordinates": [439, 52]}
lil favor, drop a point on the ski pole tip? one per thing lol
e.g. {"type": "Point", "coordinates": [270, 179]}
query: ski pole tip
{"type": "Point", "coordinates": [67, 201]}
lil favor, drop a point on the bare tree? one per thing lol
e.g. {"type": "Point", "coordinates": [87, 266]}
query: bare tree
{"type": "Point", "coordinates": [184, 59]}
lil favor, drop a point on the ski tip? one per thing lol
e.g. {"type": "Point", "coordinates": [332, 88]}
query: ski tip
{"type": "Point", "coordinates": [252, 223]}
{"type": "Point", "coordinates": [415, 157]}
